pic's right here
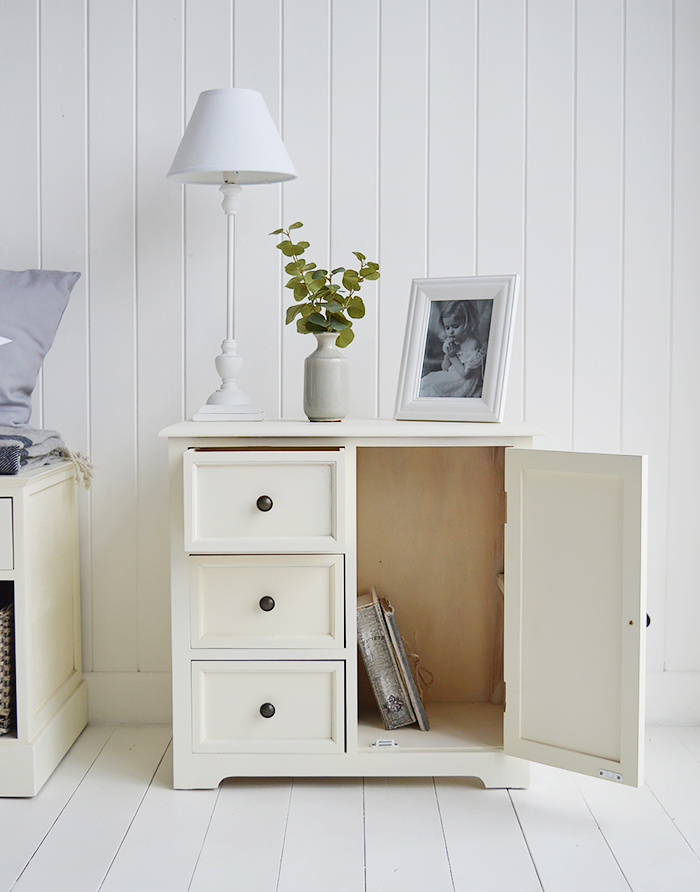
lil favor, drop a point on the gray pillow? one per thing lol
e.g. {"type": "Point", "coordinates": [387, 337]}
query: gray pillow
{"type": "Point", "coordinates": [31, 306]}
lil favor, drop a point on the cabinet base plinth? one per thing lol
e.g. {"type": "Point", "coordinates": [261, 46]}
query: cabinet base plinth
{"type": "Point", "coordinates": [25, 768]}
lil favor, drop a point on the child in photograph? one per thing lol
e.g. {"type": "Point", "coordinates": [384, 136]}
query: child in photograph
{"type": "Point", "coordinates": [462, 372]}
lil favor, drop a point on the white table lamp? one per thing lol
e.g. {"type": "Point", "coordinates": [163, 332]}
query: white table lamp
{"type": "Point", "coordinates": [231, 141]}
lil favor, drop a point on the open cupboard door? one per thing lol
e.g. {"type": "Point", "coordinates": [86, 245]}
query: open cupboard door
{"type": "Point", "coordinates": [575, 553]}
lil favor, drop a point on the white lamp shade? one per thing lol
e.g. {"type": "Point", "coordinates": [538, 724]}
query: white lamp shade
{"type": "Point", "coordinates": [231, 138]}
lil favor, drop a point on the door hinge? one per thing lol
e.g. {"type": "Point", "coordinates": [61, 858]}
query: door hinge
{"type": "Point", "coordinates": [610, 775]}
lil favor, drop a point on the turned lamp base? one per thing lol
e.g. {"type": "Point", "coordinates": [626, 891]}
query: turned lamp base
{"type": "Point", "coordinates": [228, 403]}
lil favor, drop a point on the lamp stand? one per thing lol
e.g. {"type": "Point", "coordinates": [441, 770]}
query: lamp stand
{"type": "Point", "coordinates": [229, 403]}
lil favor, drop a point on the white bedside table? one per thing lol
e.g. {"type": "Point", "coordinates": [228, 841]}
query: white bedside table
{"type": "Point", "coordinates": [277, 525]}
{"type": "Point", "coordinates": [39, 573]}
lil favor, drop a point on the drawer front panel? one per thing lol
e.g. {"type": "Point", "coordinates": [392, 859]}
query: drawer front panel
{"type": "Point", "coordinates": [6, 548]}
{"type": "Point", "coordinates": [267, 601]}
{"type": "Point", "coordinates": [263, 501]}
{"type": "Point", "coordinates": [306, 696]}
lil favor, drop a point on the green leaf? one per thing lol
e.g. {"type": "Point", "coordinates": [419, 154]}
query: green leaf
{"type": "Point", "coordinates": [317, 319]}
{"type": "Point", "coordinates": [341, 269]}
{"type": "Point", "coordinates": [356, 312]}
{"type": "Point", "coordinates": [303, 245]}
{"type": "Point", "coordinates": [277, 232]}
{"type": "Point", "coordinates": [293, 268]}
{"type": "Point", "coordinates": [374, 274]}
{"type": "Point", "coordinates": [319, 274]}
{"type": "Point", "coordinates": [292, 313]}
{"type": "Point", "coordinates": [373, 265]}
{"type": "Point", "coordinates": [296, 225]}
{"type": "Point", "coordinates": [315, 285]}
{"type": "Point", "coordinates": [292, 283]}
{"type": "Point", "coordinates": [360, 257]}
{"type": "Point", "coordinates": [350, 280]}
{"type": "Point", "coordinates": [312, 326]}
{"type": "Point", "coordinates": [307, 310]}
{"type": "Point", "coordinates": [345, 337]}
{"type": "Point", "coordinates": [301, 291]}
{"type": "Point", "coordinates": [308, 266]}
{"type": "Point", "coordinates": [337, 325]}
{"type": "Point", "coordinates": [301, 326]}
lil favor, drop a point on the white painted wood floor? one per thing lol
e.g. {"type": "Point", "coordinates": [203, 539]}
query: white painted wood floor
{"type": "Point", "coordinates": [108, 820]}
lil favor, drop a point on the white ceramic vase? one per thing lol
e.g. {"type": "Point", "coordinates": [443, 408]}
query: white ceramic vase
{"type": "Point", "coordinates": [326, 380]}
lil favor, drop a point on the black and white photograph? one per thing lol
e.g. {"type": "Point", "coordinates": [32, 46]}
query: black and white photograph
{"type": "Point", "coordinates": [457, 349]}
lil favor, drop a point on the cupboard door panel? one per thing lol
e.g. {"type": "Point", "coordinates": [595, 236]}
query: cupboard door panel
{"type": "Point", "coordinates": [574, 611]}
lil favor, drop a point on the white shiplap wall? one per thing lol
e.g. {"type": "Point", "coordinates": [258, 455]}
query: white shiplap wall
{"type": "Point", "coordinates": [553, 138]}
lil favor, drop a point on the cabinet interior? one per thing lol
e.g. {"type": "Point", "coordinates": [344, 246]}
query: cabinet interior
{"type": "Point", "coordinates": [430, 539]}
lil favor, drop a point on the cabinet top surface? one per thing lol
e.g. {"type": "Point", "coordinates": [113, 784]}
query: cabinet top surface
{"type": "Point", "coordinates": [10, 482]}
{"type": "Point", "coordinates": [349, 429]}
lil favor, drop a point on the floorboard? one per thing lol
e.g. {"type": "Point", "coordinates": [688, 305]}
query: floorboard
{"type": "Point", "coordinates": [486, 846]}
{"type": "Point", "coordinates": [567, 847]}
{"type": "Point", "coordinates": [651, 853]}
{"type": "Point", "coordinates": [324, 838]}
{"type": "Point", "coordinates": [24, 823]}
{"type": "Point", "coordinates": [77, 853]}
{"type": "Point", "coordinates": [163, 843]}
{"type": "Point", "coordinates": [243, 847]}
{"type": "Point", "coordinates": [673, 775]}
{"type": "Point", "coordinates": [404, 839]}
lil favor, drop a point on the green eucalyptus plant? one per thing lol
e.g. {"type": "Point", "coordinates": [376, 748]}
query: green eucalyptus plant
{"type": "Point", "coordinates": [322, 304]}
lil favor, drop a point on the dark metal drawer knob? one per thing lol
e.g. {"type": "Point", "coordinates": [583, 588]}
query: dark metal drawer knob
{"type": "Point", "coordinates": [264, 503]}
{"type": "Point", "coordinates": [267, 603]}
{"type": "Point", "coordinates": [267, 710]}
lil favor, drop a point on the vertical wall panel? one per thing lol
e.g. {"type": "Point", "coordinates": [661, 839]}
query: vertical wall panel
{"type": "Point", "coordinates": [452, 138]}
{"type": "Point", "coordinates": [647, 275]}
{"type": "Point", "coordinates": [439, 137]}
{"type": "Point", "coordinates": [548, 281]}
{"type": "Point", "coordinates": [257, 66]}
{"type": "Point", "coordinates": [599, 221]}
{"type": "Point", "coordinates": [19, 136]}
{"type": "Point", "coordinates": [306, 92]}
{"type": "Point", "coordinates": [63, 219]}
{"type": "Point", "coordinates": [354, 176]}
{"type": "Point", "coordinates": [159, 308]}
{"type": "Point", "coordinates": [500, 196]}
{"type": "Point", "coordinates": [683, 613]}
{"type": "Point", "coordinates": [402, 178]}
{"type": "Point", "coordinates": [209, 64]}
{"type": "Point", "coordinates": [112, 335]}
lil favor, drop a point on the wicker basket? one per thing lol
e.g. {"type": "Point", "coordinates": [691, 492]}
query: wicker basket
{"type": "Point", "coordinates": [7, 673]}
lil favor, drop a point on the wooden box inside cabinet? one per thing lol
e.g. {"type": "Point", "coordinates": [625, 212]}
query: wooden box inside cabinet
{"type": "Point", "coordinates": [517, 574]}
{"type": "Point", "coordinates": [39, 576]}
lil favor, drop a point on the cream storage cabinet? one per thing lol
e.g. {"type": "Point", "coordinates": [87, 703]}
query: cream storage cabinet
{"type": "Point", "coordinates": [516, 574]}
{"type": "Point", "coordinates": [40, 577]}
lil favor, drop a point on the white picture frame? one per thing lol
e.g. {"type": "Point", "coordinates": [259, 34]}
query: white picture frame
{"type": "Point", "coordinates": [457, 347]}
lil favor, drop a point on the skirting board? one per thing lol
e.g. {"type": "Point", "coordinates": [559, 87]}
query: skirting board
{"type": "Point", "coordinates": [125, 698]}
{"type": "Point", "coordinates": [673, 698]}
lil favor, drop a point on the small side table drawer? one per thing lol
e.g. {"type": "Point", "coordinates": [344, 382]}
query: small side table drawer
{"type": "Point", "coordinates": [271, 706]}
{"type": "Point", "coordinates": [253, 502]}
{"type": "Point", "coordinates": [293, 601]}
{"type": "Point", "coordinates": [6, 546]}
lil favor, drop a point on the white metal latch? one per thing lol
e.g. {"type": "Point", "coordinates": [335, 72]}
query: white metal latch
{"type": "Point", "coordinates": [610, 775]}
{"type": "Point", "coordinates": [384, 743]}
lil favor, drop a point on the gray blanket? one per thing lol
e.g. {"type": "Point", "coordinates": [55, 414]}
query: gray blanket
{"type": "Point", "coordinates": [25, 448]}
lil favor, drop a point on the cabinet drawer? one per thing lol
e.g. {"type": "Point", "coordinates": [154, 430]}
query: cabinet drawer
{"type": "Point", "coordinates": [267, 600]}
{"type": "Point", "coordinates": [263, 501]}
{"type": "Point", "coordinates": [306, 696]}
{"type": "Point", "coordinates": [6, 549]}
